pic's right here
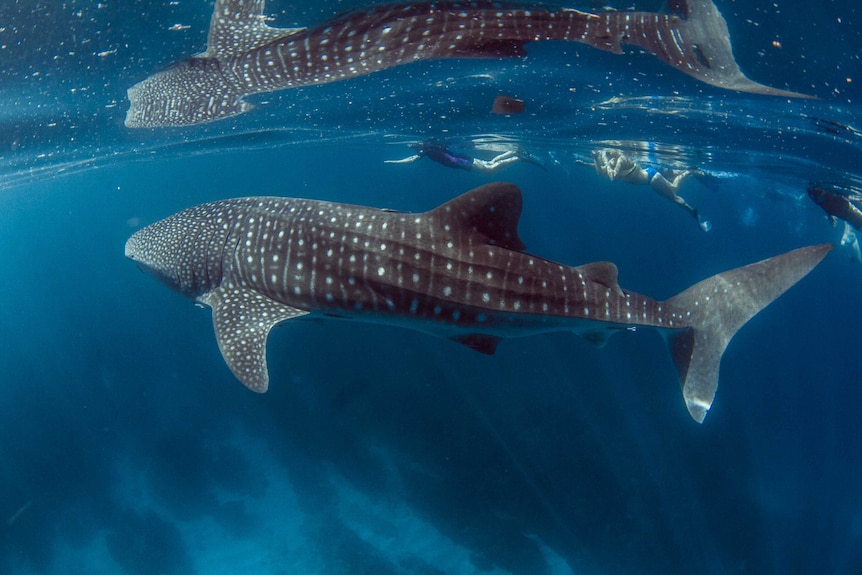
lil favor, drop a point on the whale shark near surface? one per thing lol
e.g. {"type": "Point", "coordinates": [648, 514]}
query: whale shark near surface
{"type": "Point", "coordinates": [458, 271]}
{"type": "Point", "coordinates": [244, 56]}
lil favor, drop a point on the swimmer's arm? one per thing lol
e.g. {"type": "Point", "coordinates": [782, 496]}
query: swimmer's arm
{"type": "Point", "coordinates": [406, 160]}
{"type": "Point", "coordinates": [600, 169]}
{"type": "Point", "coordinates": [613, 168]}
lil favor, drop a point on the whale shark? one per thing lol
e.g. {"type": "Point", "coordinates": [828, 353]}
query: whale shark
{"type": "Point", "coordinates": [245, 56]}
{"type": "Point", "coordinates": [458, 271]}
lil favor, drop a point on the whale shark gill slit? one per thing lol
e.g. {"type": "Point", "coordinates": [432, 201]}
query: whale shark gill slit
{"type": "Point", "coordinates": [244, 56]}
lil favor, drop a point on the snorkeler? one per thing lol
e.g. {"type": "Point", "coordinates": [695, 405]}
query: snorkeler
{"type": "Point", "coordinates": [618, 166]}
{"type": "Point", "coordinates": [850, 241]}
{"type": "Point", "coordinates": [442, 154]}
{"type": "Point", "coordinates": [838, 205]}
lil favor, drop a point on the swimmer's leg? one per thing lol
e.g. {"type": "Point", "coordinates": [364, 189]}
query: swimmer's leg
{"type": "Point", "coordinates": [850, 240]}
{"type": "Point", "coordinates": [706, 179]}
{"type": "Point", "coordinates": [508, 157]}
{"type": "Point", "coordinates": [667, 190]}
{"type": "Point", "coordinates": [680, 178]}
{"type": "Point", "coordinates": [664, 188]}
{"type": "Point", "coordinates": [531, 159]}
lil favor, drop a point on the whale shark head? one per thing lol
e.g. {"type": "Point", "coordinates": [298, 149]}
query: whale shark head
{"type": "Point", "coordinates": [172, 97]}
{"type": "Point", "coordinates": [174, 250]}
{"type": "Point", "coordinates": [155, 258]}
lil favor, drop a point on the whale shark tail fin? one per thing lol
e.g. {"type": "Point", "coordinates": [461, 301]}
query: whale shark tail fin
{"type": "Point", "coordinates": [717, 307]}
{"type": "Point", "coordinates": [695, 41]}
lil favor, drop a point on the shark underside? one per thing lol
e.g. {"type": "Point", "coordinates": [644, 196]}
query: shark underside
{"type": "Point", "coordinates": [244, 56]}
{"type": "Point", "coordinates": [458, 271]}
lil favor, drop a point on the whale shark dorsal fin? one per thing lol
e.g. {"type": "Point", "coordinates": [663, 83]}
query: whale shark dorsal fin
{"type": "Point", "coordinates": [603, 273]}
{"type": "Point", "coordinates": [237, 27]}
{"type": "Point", "coordinates": [492, 211]}
{"type": "Point", "coordinates": [242, 319]}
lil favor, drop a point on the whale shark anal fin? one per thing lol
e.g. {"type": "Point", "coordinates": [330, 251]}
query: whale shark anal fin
{"type": "Point", "coordinates": [483, 343]}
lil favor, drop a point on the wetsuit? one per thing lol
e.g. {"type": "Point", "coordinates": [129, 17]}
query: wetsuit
{"type": "Point", "coordinates": [449, 159]}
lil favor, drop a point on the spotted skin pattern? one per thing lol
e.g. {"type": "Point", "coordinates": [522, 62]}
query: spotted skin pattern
{"type": "Point", "coordinates": [244, 56]}
{"type": "Point", "coordinates": [459, 271]}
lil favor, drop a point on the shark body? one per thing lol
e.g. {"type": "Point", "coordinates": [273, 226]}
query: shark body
{"type": "Point", "coordinates": [244, 56]}
{"type": "Point", "coordinates": [459, 271]}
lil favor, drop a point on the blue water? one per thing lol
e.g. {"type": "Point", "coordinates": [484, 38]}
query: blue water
{"type": "Point", "coordinates": [126, 446]}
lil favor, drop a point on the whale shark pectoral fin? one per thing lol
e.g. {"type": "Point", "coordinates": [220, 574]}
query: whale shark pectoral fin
{"type": "Point", "coordinates": [242, 319]}
{"type": "Point", "coordinates": [237, 27]}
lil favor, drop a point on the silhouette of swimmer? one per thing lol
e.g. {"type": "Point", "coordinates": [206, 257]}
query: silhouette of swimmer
{"type": "Point", "coordinates": [850, 241]}
{"type": "Point", "coordinates": [618, 166]}
{"type": "Point", "coordinates": [837, 206]}
{"type": "Point", "coordinates": [442, 154]}
{"type": "Point", "coordinates": [835, 128]}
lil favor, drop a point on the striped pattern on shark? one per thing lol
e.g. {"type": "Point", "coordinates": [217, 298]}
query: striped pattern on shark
{"type": "Point", "coordinates": [458, 271]}
{"type": "Point", "coordinates": [244, 56]}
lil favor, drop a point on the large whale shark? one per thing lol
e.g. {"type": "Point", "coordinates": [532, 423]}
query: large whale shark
{"type": "Point", "coordinates": [244, 56]}
{"type": "Point", "coordinates": [459, 271]}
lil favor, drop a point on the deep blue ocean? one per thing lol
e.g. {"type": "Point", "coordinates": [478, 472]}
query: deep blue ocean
{"type": "Point", "coordinates": [127, 447]}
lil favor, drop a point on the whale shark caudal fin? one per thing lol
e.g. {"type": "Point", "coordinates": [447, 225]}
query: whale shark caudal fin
{"type": "Point", "coordinates": [717, 307]}
{"type": "Point", "coordinates": [242, 320]}
{"type": "Point", "coordinates": [700, 47]}
{"type": "Point", "coordinates": [245, 56]}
